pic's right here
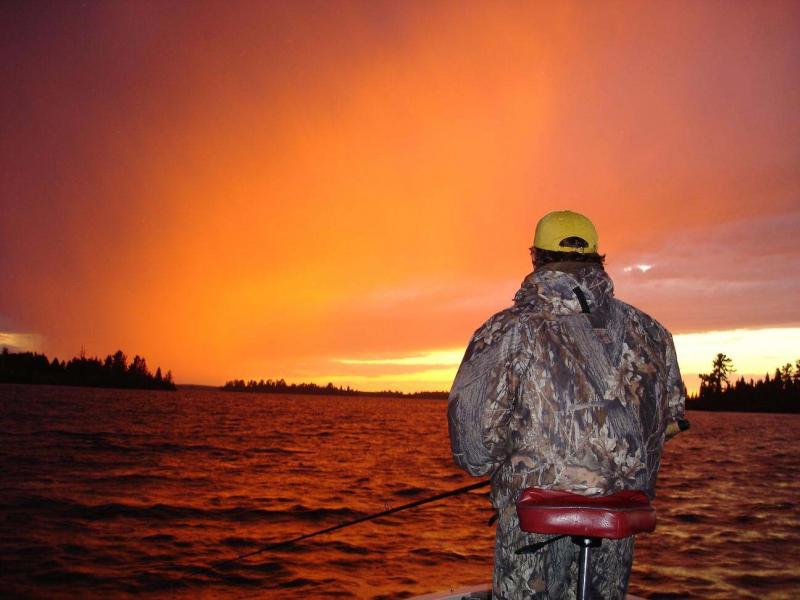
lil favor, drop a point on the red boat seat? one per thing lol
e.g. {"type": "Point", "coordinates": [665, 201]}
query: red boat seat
{"type": "Point", "coordinates": [563, 513]}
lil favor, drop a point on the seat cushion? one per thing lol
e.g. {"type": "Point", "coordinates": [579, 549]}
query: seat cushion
{"type": "Point", "coordinates": [563, 513]}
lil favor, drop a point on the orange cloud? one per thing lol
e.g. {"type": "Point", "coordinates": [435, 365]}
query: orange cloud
{"type": "Point", "coordinates": [266, 190]}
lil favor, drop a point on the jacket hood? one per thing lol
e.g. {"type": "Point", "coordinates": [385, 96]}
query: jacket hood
{"type": "Point", "coordinates": [552, 289]}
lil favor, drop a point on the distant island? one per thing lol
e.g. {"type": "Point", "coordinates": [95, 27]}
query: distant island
{"type": "Point", "coordinates": [281, 387]}
{"type": "Point", "coordinates": [113, 372]}
{"type": "Point", "coordinates": [777, 394]}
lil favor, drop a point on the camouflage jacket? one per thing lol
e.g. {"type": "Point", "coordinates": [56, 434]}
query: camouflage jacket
{"type": "Point", "coordinates": [569, 388]}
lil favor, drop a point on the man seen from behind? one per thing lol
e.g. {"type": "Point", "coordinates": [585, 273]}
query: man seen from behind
{"type": "Point", "coordinates": [568, 389]}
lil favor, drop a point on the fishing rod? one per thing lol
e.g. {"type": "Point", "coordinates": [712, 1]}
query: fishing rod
{"type": "Point", "coordinates": [275, 545]}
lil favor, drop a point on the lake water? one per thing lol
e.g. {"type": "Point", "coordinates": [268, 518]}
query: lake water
{"type": "Point", "coordinates": [108, 493]}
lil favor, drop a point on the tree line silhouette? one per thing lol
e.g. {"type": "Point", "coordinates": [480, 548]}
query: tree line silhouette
{"type": "Point", "coordinates": [113, 372]}
{"type": "Point", "coordinates": [779, 393]}
{"type": "Point", "coordinates": [280, 386]}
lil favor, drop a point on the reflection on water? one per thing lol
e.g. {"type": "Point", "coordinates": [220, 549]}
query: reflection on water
{"type": "Point", "coordinates": [112, 492]}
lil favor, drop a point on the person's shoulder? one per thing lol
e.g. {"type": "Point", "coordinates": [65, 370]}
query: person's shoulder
{"type": "Point", "coordinates": [498, 323]}
{"type": "Point", "coordinates": [499, 330]}
{"type": "Point", "coordinates": [653, 327]}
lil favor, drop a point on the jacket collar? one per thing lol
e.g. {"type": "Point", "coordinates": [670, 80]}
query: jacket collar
{"type": "Point", "coordinates": [552, 288]}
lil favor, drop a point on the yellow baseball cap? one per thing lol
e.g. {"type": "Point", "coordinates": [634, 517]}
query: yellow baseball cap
{"type": "Point", "coordinates": [565, 231]}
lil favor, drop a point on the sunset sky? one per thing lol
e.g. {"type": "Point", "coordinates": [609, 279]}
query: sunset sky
{"type": "Point", "coordinates": [344, 191]}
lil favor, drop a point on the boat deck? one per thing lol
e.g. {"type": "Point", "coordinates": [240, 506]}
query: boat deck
{"type": "Point", "coordinates": [475, 592]}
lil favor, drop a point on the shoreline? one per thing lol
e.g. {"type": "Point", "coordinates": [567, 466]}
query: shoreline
{"type": "Point", "coordinates": [354, 394]}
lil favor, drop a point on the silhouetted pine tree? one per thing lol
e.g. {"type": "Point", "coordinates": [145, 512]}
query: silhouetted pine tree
{"type": "Point", "coordinates": [779, 393]}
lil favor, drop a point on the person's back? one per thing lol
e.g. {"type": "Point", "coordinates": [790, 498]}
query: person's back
{"type": "Point", "coordinates": [568, 389]}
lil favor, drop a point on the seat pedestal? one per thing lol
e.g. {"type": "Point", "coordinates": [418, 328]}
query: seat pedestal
{"type": "Point", "coordinates": [585, 564]}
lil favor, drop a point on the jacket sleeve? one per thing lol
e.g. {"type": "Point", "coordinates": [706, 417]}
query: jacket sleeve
{"type": "Point", "coordinates": [676, 391]}
{"type": "Point", "coordinates": [483, 396]}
